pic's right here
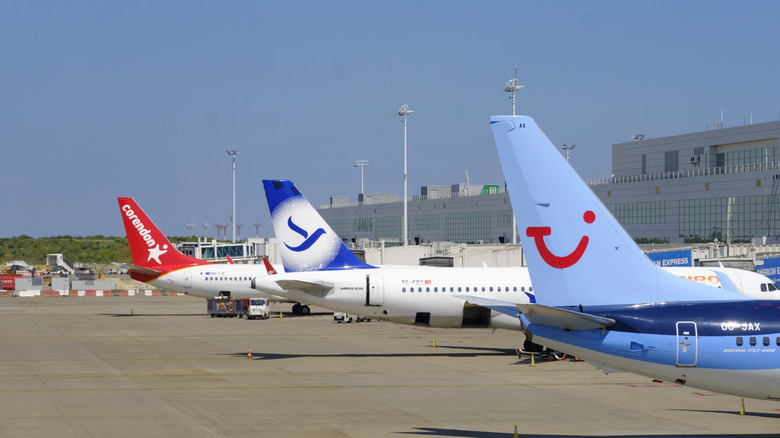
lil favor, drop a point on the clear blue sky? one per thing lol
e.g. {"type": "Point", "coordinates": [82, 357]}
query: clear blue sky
{"type": "Point", "coordinates": [142, 98]}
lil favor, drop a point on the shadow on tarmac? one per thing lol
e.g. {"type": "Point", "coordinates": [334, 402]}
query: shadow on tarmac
{"type": "Point", "coordinates": [434, 431]}
{"type": "Point", "coordinates": [435, 352]}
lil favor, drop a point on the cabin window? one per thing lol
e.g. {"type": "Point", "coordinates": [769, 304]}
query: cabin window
{"type": "Point", "coordinates": [427, 289]}
{"type": "Point", "coordinates": [530, 289]}
{"type": "Point", "coordinates": [483, 288]}
{"type": "Point", "coordinates": [452, 289]}
{"type": "Point", "coordinates": [766, 341]}
{"type": "Point", "coordinates": [514, 288]}
{"type": "Point", "coordinates": [763, 287]}
{"type": "Point", "coordinates": [752, 341]}
{"type": "Point", "coordinates": [435, 289]}
{"type": "Point", "coordinates": [491, 288]}
{"type": "Point", "coordinates": [403, 289]}
{"type": "Point", "coordinates": [522, 289]}
{"type": "Point", "coordinates": [739, 341]}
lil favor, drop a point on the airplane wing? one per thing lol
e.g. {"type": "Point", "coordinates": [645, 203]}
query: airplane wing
{"type": "Point", "coordinates": [499, 306]}
{"type": "Point", "coordinates": [305, 286]}
{"type": "Point", "coordinates": [138, 269]}
{"type": "Point", "coordinates": [562, 318]}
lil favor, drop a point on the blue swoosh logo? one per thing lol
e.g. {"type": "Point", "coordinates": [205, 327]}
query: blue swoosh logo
{"type": "Point", "coordinates": [310, 240]}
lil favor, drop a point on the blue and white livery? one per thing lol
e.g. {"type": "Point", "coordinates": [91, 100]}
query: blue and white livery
{"type": "Point", "coordinates": [307, 242]}
{"type": "Point", "coordinates": [599, 298]}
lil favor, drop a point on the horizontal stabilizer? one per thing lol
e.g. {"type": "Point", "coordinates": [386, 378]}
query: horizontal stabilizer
{"type": "Point", "coordinates": [304, 286]}
{"type": "Point", "coordinates": [499, 306]}
{"type": "Point", "coordinates": [562, 318]}
{"type": "Point", "coordinates": [139, 269]}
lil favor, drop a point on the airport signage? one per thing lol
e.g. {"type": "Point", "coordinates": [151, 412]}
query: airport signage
{"type": "Point", "coordinates": [770, 268]}
{"type": "Point", "coordinates": [682, 257]}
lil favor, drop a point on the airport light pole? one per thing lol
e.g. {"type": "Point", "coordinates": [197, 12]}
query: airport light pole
{"type": "Point", "coordinates": [567, 149]}
{"type": "Point", "coordinates": [512, 87]}
{"type": "Point", "coordinates": [233, 216]}
{"type": "Point", "coordinates": [361, 164]}
{"type": "Point", "coordinates": [404, 111]}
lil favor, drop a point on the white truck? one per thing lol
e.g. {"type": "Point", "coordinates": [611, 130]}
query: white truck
{"type": "Point", "coordinates": [258, 309]}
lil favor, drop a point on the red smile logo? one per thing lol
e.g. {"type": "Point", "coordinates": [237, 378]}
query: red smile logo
{"type": "Point", "coordinates": [551, 259]}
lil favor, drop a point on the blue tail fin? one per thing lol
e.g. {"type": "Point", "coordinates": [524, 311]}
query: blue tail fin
{"type": "Point", "coordinates": [577, 253]}
{"type": "Point", "coordinates": [307, 243]}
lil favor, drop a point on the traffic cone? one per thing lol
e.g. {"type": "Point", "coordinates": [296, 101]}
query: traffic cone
{"type": "Point", "coordinates": [742, 409]}
{"type": "Point", "coordinates": [515, 435]}
{"type": "Point", "coordinates": [434, 341]}
{"type": "Point", "coordinates": [280, 314]}
{"type": "Point", "coordinates": [249, 353]}
{"type": "Point", "coordinates": [532, 360]}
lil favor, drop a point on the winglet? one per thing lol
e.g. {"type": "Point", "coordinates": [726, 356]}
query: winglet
{"type": "Point", "coordinates": [307, 241]}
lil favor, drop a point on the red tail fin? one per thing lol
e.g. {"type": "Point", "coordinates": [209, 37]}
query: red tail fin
{"type": "Point", "coordinates": [268, 267]}
{"type": "Point", "coordinates": [148, 246]}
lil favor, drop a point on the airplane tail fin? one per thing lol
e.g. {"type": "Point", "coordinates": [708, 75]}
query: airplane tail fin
{"type": "Point", "coordinates": [577, 253]}
{"type": "Point", "coordinates": [307, 242]}
{"type": "Point", "coordinates": [149, 248]}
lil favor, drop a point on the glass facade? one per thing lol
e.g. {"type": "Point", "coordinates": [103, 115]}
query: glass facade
{"type": "Point", "coordinates": [504, 219]}
{"type": "Point", "coordinates": [425, 222]}
{"type": "Point", "coordinates": [363, 224]}
{"type": "Point", "coordinates": [468, 227]}
{"type": "Point", "coordinates": [751, 156]}
{"type": "Point", "coordinates": [389, 228]}
{"type": "Point", "coordinates": [341, 227]}
{"type": "Point", "coordinates": [729, 219]}
{"type": "Point", "coordinates": [651, 212]}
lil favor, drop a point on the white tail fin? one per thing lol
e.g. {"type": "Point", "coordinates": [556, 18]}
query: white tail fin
{"type": "Point", "coordinates": [307, 242]}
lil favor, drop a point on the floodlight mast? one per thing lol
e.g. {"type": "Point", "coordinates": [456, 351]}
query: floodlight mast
{"type": "Point", "coordinates": [404, 111]}
{"type": "Point", "coordinates": [361, 164]}
{"type": "Point", "coordinates": [233, 216]}
{"type": "Point", "coordinates": [512, 87]}
{"type": "Point", "coordinates": [567, 149]}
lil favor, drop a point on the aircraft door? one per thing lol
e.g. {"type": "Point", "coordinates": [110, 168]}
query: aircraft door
{"type": "Point", "coordinates": [187, 279]}
{"type": "Point", "coordinates": [687, 346]}
{"type": "Point", "coordinates": [375, 290]}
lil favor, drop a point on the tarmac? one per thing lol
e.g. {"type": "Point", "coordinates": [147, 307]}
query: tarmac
{"type": "Point", "coordinates": [160, 367]}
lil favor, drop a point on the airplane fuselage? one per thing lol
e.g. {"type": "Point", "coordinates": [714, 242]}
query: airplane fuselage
{"type": "Point", "coordinates": [736, 352]}
{"type": "Point", "coordinates": [207, 281]}
{"type": "Point", "coordinates": [435, 297]}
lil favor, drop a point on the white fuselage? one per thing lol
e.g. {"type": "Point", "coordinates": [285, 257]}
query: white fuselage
{"type": "Point", "coordinates": [207, 281]}
{"type": "Point", "coordinates": [435, 297]}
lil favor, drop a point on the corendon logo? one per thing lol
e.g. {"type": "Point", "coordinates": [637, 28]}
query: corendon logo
{"type": "Point", "coordinates": [551, 259]}
{"type": "Point", "coordinates": [154, 249]}
{"type": "Point", "coordinates": [310, 240]}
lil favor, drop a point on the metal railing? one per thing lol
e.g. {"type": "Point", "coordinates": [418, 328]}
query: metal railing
{"type": "Point", "coordinates": [723, 170]}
